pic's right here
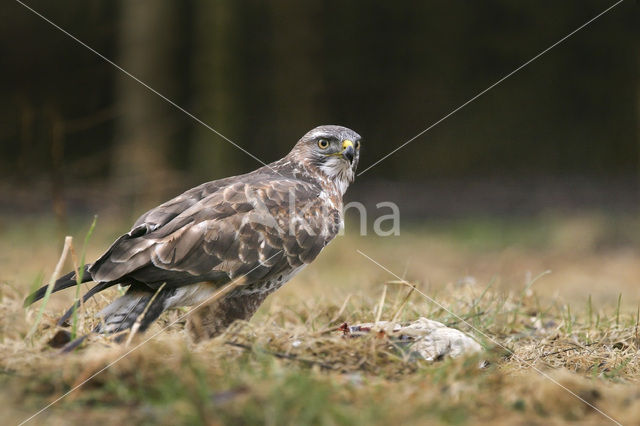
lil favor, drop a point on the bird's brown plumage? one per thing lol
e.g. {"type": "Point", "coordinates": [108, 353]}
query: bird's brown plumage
{"type": "Point", "coordinates": [263, 227]}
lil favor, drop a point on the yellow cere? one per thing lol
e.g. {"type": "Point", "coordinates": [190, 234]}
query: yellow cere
{"type": "Point", "coordinates": [346, 143]}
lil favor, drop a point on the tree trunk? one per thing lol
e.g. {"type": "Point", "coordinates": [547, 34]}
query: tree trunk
{"type": "Point", "coordinates": [298, 80]}
{"type": "Point", "coordinates": [214, 70]}
{"type": "Point", "coordinates": [140, 172]}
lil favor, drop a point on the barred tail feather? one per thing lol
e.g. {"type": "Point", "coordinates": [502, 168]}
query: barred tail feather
{"type": "Point", "coordinates": [123, 313]}
{"type": "Point", "coordinates": [134, 306]}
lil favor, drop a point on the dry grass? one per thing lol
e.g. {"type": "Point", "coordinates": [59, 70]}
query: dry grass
{"type": "Point", "coordinates": [288, 365]}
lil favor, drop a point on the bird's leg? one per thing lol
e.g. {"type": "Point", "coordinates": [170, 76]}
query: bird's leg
{"type": "Point", "coordinates": [211, 320]}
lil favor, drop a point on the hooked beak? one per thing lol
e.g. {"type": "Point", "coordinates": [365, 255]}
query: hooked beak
{"type": "Point", "coordinates": [348, 151]}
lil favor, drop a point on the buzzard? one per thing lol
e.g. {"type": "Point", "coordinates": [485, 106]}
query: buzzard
{"type": "Point", "coordinates": [261, 228]}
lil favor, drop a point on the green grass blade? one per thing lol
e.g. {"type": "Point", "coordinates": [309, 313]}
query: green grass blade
{"type": "Point", "coordinates": [618, 310]}
{"type": "Point", "coordinates": [79, 277]}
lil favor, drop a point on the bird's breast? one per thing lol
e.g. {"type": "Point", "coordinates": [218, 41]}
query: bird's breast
{"type": "Point", "coordinates": [270, 284]}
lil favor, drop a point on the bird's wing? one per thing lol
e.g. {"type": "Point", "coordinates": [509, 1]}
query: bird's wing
{"type": "Point", "coordinates": [255, 227]}
{"type": "Point", "coordinates": [164, 213]}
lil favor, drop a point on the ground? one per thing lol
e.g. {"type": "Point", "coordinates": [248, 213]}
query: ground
{"type": "Point", "coordinates": [553, 299]}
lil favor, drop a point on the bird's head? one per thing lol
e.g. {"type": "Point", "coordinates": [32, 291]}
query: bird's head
{"type": "Point", "coordinates": [333, 151]}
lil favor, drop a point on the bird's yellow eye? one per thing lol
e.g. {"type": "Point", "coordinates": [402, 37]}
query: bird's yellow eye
{"type": "Point", "coordinates": [323, 144]}
{"type": "Point", "coordinates": [357, 144]}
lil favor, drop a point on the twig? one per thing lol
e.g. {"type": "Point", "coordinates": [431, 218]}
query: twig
{"type": "Point", "coordinates": [327, 330]}
{"type": "Point", "coordinates": [402, 305]}
{"type": "Point", "coordinates": [381, 305]}
{"type": "Point", "coordinates": [561, 351]}
{"type": "Point", "coordinates": [477, 314]}
{"type": "Point", "coordinates": [52, 281]}
{"type": "Point", "coordinates": [281, 355]}
{"type": "Point", "coordinates": [342, 308]}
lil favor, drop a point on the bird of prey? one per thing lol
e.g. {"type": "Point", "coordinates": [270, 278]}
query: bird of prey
{"type": "Point", "coordinates": [262, 228]}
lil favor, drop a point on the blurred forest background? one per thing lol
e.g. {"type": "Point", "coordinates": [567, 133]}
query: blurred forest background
{"type": "Point", "coordinates": [79, 136]}
{"type": "Point", "coordinates": [537, 181]}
